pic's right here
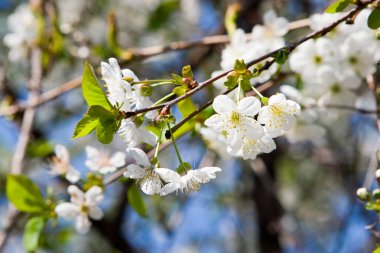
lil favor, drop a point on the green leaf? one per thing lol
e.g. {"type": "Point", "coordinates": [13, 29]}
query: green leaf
{"type": "Point", "coordinates": [240, 67]}
{"type": "Point", "coordinates": [24, 194]}
{"type": "Point", "coordinates": [92, 92]}
{"type": "Point", "coordinates": [177, 79]}
{"type": "Point", "coordinates": [32, 233]}
{"type": "Point", "coordinates": [338, 6]}
{"type": "Point", "coordinates": [377, 250]}
{"type": "Point", "coordinates": [186, 106]}
{"type": "Point", "coordinates": [232, 80]}
{"type": "Point", "coordinates": [179, 90]}
{"type": "Point", "coordinates": [282, 56]}
{"type": "Point", "coordinates": [136, 201]}
{"type": "Point", "coordinates": [106, 129]}
{"type": "Point", "coordinates": [39, 148]}
{"type": "Point", "coordinates": [85, 126]}
{"type": "Point", "coordinates": [374, 19]}
{"type": "Point", "coordinates": [187, 72]}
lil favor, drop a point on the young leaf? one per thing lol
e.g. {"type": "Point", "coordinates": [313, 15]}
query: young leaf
{"type": "Point", "coordinates": [32, 232]}
{"type": "Point", "coordinates": [85, 126]}
{"type": "Point", "coordinates": [374, 19]}
{"type": "Point", "coordinates": [92, 92]}
{"type": "Point", "coordinates": [240, 66]}
{"type": "Point", "coordinates": [177, 79]}
{"type": "Point", "coordinates": [24, 194]}
{"type": "Point", "coordinates": [105, 130]}
{"type": "Point", "coordinates": [186, 107]}
{"type": "Point", "coordinates": [187, 72]}
{"type": "Point", "coordinates": [232, 80]}
{"type": "Point", "coordinates": [179, 90]}
{"type": "Point", "coordinates": [136, 201]}
{"type": "Point", "coordinates": [338, 6]}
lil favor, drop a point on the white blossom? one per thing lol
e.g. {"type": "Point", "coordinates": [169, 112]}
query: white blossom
{"type": "Point", "coordinates": [278, 115]}
{"type": "Point", "coordinates": [253, 147]}
{"type": "Point", "coordinates": [146, 175]}
{"type": "Point", "coordinates": [101, 161]}
{"type": "Point", "coordinates": [61, 164]}
{"type": "Point", "coordinates": [236, 120]}
{"type": "Point", "coordinates": [134, 135]}
{"type": "Point", "coordinates": [119, 91]}
{"type": "Point", "coordinates": [81, 207]}
{"type": "Point", "coordinates": [22, 32]}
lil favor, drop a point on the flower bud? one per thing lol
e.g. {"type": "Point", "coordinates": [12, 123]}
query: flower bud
{"type": "Point", "coordinates": [146, 90]}
{"type": "Point", "coordinates": [376, 193]}
{"type": "Point", "coordinates": [363, 194]}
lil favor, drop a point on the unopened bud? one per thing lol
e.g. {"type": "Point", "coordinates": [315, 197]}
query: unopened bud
{"type": "Point", "coordinates": [376, 193]}
{"type": "Point", "coordinates": [165, 111]}
{"type": "Point", "coordinates": [146, 90]}
{"type": "Point", "coordinates": [187, 80]}
{"type": "Point", "coordinates": [363, 194]}
{"type": "Point", "coordinates": [193, 84]}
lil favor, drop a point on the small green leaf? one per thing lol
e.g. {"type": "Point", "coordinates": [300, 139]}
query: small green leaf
{"type": "Point", "coordinates": [282, 56]}
{"type": "Point", "coordinates": [106, 129]}
{"type": "Point", "coordinates": [32, 233]}
{"type": "Point", "coordinates": [186, 106]}
{"type": "Point", "coordinates": [39, 148]}
{"type": "Point", "coordinates": [338, 6]}
{"type": "Point", "coordinates": [179, 90]}
{"type": "Point", "coordinates": [187, 72]}
{"type": "Point", "coordinates": [377, 250]}
{"type": "Point", "coordinates": [136, 201]}
{"type": "Point", "coordinates": [92, 92]}
{"type": "Point", "coordinates": [85, 126]}
{"type": "Point", "coordinates": [374, 19]}
{"type": "Point", "coordinates": [177, 79]}
{"type": "Point", "coordinates": [24, 194]}
{"type": "Point", "coordinates": [232, 80]}
{"type": "Point", "coordinates": [240, 66]}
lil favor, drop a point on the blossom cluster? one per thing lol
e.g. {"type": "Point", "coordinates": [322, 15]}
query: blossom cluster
{"type": "Point", "coordinates": [332, 67]}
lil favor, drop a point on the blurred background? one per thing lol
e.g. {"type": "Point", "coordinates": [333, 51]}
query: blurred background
{"type": "Point", "coordinates": [299, 198]}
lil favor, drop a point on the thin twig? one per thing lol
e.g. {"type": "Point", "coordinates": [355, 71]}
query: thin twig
{"type": "Point", "coordinates": [43, 98]}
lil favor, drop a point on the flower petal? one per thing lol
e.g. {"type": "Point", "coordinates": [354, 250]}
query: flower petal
{"type": "Point", "coordinates": [139, 156]}
{"type": "Point", "coordinates": [134, 171]}
{"type": "Point", "coordinates": [67, 210]}
{"type": "Point", "coordinates": [223, 104]}
{"type": "Point", "coordinates": [249, 106]}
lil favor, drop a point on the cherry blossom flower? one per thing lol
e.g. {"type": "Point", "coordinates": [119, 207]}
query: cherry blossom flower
{"type": "Point", "coordinates": [61, 165]}
{"type": "Point", "coordinates": [253, 147]}
{"type": "Point", "coordinates": [134, 135]}
{"type": "Point", "coordinates": [337, 87]}
{"type": "Point", "coordinates": [22, 27]}
{"type": "Point", "coordinates": [119, 90]}
{"type": "Point", "coordinates": [146, 175]}
{"type": "Point", "coordinates": [278, 115]}
{"type": "Point", "coordinates": [189, 182]}
{"type": "Point", "coordinates": [102, 162]}
{"type": "Point", "coordinates": [81, 207]}
{"type": "Point", "coordinates": [236, 120]}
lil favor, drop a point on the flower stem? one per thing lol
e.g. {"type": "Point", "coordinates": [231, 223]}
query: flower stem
{"type": "Point", "coordinates": [158, 144]}
{"type": "Point", "coordinates": [161, 83]}
{"type": "Point", "coordinates": [238, 93]}
{"type": "Point", "coordinates": [257, 92]}
{"type": "Point", "coordinates": [175, 145]}
{"type": "Point", "coordinates": [163, 99]}
{"type": "Point", "coordinates": [153, 81]}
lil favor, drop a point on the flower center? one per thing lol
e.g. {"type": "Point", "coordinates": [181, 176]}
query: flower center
{"type": "Point", "coordinates": [335, 88]}
{"type": "Point", "coordinates": [84, 209]}
{"type": "Point", "coordinates": [317, 59]}
{"type": "Point", "coordinates": [235, 118]}
{"type": "Point", "coordinates": [275, 109]}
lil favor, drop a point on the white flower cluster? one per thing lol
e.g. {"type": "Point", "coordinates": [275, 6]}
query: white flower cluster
{"type": "Point", "coordinates": [163, 181]}
{"type": "Point", "coordinates": [126, 97]}
{"type": "Point", "coordinates": [22, 32]}
{"type": "Point", "coordinates": [332, 67]}
{"type": "Point", "coordinates": [244, 135]}
{"type": "Point", "coordinates": [263, 39]}
{"type": "Point", "coordinates": [83, 206]}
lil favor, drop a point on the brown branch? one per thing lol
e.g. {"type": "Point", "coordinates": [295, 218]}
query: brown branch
{"type": "Point", "coordinates": [206, 41]}
{"type": "Point", "coordinates": [43, 98]}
